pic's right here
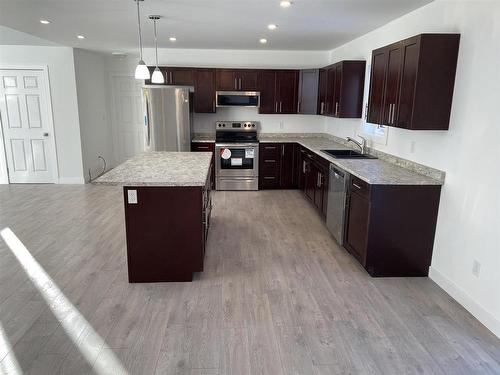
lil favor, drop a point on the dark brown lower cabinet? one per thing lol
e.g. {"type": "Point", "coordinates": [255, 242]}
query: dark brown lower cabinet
{"type": "Point", "coordinates": [277, 166]}
{"type": "Point", "coordinates": [206, 147]}
{"type": "Point", "coordinates": [166, 232]}
{"type": "Point", "coordinates": [390, 228]}
{"type": "Point", "coordinates": [312, 177]}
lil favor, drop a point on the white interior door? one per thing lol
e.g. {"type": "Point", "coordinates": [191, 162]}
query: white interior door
{"type": "Point", "coordinates": [27, 126]}
{"type": "Point", "coordinates": [128, 120]}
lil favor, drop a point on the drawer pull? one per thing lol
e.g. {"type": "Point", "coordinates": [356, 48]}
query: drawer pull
{"type": "Point", "coordinates": [269, 178]}
{"type": "Point", "coordinates": [202, 147]}
{"type": "Point", "coordinates": [356, 186]}
{"type": "Point", "coordinates": [270, 147]}
{"type": "Point", "coordinates": [269, 161]}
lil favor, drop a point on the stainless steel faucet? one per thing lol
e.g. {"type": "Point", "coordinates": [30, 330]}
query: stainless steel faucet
{"type": "Point", "coordinates": [361, 145]}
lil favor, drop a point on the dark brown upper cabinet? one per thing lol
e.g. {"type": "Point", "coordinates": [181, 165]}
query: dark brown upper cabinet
{"type": "Point", "coordinates": [175, 76]}
{"type": "Point", "coordinates": [412, 82]}
{"type": "Point", "coordinates": [341, 87]}
{"type": "Point", "coordinates": [180, 76]}
{"type": "Point", "coordinates": [237, 79]}
{"type": "Point", "coordinates": [323, 84]}
{"type": "Point", "coordinates": [278, 91]}
{"type": "Point", "coordinates": [307, 103]}
{"type": "Point", "coordinates": [204, 90]}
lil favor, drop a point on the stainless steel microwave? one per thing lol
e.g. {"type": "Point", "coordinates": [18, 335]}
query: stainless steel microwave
{"type": "Point", "coordinates": [238, 99]}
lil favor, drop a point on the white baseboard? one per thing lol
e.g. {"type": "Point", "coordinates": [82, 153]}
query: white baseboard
{"type": "Point", "coordinates": [71, 180]}
{"type": "Point", "coordinates": [475, 308]}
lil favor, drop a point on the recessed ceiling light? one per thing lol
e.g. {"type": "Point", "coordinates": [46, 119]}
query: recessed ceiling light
{"type": "Point", "coordinates": [80, 37]}
{"type": "Point", "coordinates": [285, 3]}
{"type": "Point", "coordinates": [172, 38]}
{"type": "Point", "coordinates": [45, 22]}
{"type": "Point", "coordinates": [263, 40]}
{"type": "Point", "coordinates": [272, 26]}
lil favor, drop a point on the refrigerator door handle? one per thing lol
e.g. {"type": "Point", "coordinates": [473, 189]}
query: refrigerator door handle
{"type": "Point", "coordinates": [147, 119]}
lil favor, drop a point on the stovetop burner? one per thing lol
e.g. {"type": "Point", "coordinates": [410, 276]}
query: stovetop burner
{"type": "Point", "coordinates": [236, 131]}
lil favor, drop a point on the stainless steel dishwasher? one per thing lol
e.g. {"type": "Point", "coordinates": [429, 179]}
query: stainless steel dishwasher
{"type": "Point", "coordinates": [335, 215]}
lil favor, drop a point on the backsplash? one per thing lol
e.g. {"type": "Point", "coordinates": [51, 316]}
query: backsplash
{"type": "Point", "coordinates": [205, 122]}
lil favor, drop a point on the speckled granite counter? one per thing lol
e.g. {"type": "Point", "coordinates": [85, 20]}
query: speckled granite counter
{"type": "Point", "coordinates": [160, 169]}
{"type": "Point", "coordinates": [373, 171]}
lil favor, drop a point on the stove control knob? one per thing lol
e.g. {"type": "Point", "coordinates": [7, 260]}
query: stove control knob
{"type": "Point", "coordinates": [253, 125]}
{"type": "Point", "coordinates": [223, 125]}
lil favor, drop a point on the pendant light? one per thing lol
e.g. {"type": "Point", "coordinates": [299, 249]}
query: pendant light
{"type": "Point", "coordinates": [141, 71]}
{"type": "Point", "coordinates": [157, 76]}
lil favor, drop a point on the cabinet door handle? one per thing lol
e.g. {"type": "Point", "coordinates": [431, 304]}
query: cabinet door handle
{"type": "Point", "coordinates": [171, 77]}
{"type": "Point", "coordinates": [240, 83]}
{"type": "Point", "coordinates": [298, 106]}
{"type": "Point", "coordinates": [235, 83]}
{"type": "Point", "coordinates": [276, 107]}
{"type": "Point", "coordinates": [280, 106]}
{"type": "Point", "coordinates": [393, 113]}
{"type": "Point", "coordinates": [390, 114]}
{"type": "Point", "coordinates": [303, 166]}
{"type": "Point", "coordinates": [356, 185]}
{"type": "Point", "coordinates": [322, 108]}
{"type": "Point", "coordinates": [336, 108]}
{"type": "Point", "coordinates": [282, 150]}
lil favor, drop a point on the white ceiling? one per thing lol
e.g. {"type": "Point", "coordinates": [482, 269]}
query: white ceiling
{"type": "Point", "coordinates": [110, 25]}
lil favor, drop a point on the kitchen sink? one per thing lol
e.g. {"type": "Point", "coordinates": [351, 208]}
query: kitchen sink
{"type": "Point", "coordinates": [348, 154]}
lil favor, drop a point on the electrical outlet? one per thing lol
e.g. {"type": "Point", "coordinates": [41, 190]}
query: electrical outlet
{"type": "Point", "coordinates": [476, 268]}
{"type": "Point", "coordinates": [412, 147]}
{"type": "Point", "coordinates": [132, 196]}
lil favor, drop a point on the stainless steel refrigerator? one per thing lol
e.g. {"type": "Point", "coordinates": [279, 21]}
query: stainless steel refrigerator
{"type": "Point", "coordinates": [167, 118]}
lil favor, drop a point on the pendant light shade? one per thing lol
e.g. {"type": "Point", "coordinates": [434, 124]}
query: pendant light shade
{"type": "Point", "coordinates": [157, 74]}
{"type": "Point", "coordinates": [141, 71]}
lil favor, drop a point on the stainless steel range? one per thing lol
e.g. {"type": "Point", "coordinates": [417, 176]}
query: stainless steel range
{"type": "Point", "coordinates": [236, 155]}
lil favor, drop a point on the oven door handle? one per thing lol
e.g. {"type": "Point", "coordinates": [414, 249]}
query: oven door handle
{"type": "Point", "coordinates": [237, 145]}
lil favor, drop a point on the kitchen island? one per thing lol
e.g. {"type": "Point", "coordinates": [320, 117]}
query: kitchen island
{"type": "Point", "coordinates": [167, 213]}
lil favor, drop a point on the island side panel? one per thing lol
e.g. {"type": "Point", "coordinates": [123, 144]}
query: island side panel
{"type": "Point", "coordinates": [164, 233]}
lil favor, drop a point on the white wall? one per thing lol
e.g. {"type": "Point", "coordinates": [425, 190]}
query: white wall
{"type": "Point", "coordinates": [469, 218]}
{"type": "Point", "coordinates": [59, 61]}
{"type": "Point", "coordinates": [95, 124]}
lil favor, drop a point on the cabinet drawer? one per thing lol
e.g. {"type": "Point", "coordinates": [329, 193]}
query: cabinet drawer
{"type": "Point", "coordinates": [270, 151]}
{"type": "Point", "coordinates": [322, 163]}
{"type": "Point", "coordinates": [269, 181]}
{"type": "Point", "coordinates": [269, 167]}
{"type": "Point", "coordinates": [360, 187]}
{"type": "Point", "coordinates": [202, 146]}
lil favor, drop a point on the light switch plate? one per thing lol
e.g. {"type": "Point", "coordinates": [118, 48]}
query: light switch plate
{"type": "Point", "coordinates": [132, 196]}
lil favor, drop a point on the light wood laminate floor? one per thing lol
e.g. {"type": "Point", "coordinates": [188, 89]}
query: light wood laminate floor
{"type": "Point", "coordinates": [278, 296]}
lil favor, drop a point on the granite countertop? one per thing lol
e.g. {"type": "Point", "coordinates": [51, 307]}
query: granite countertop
{"type": "Point", "coordinates": [373, 171]}
{"type": "Point", "coordinates": [160, 169]}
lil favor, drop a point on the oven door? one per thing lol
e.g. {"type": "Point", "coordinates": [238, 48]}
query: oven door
{"type": "Point", "coordinates": [237, 159]}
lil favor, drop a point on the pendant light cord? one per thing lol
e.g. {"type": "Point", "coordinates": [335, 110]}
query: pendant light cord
{"type": "Point", "coordinates": [156, 44]}
{"type": "Point", "coordinates": [139, 28]}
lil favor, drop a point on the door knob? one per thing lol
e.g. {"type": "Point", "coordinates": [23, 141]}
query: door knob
{"type": "Point", "coordinates": [45, 134]}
